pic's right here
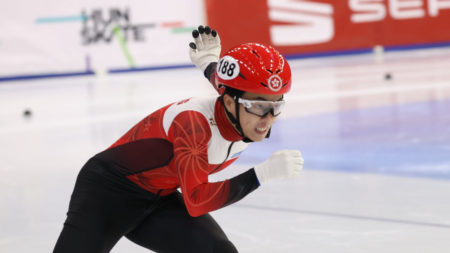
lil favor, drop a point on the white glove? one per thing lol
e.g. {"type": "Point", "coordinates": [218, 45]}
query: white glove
{"type": "Point", "coordinates": [281, 164]}
{"type": "Point", "coordinates": [206, 48]}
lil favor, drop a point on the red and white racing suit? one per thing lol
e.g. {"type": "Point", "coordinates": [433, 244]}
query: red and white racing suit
{"type": "Point", "coordinates": [178, 146]}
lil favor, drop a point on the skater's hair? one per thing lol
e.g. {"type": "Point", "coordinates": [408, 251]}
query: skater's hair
{"type": "Point", "coordinates": [232, 92]}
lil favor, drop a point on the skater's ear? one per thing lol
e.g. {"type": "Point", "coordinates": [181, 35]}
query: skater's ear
{"type": "Point", "coordinates": [228, 102]}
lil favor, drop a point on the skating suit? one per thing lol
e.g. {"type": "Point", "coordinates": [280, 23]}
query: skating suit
{"type": "Point", "coordinates": [179, 146]}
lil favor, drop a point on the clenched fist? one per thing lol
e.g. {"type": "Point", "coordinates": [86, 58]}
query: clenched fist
{"type": "Point", "coordinates": [281, 164]}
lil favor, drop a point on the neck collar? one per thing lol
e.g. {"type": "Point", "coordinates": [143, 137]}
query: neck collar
{"type": "Point", "coordinates": [226, 129]}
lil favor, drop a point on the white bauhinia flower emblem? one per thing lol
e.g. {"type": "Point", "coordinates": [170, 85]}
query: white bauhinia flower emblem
{"type": "Point", "coordinates": [275, 82]}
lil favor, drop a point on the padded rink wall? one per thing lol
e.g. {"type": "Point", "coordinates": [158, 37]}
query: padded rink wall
{"type": "Point", "coordinates": [323, 27]}
{"type": "Point", "coordinates": [68, 38]}
{"type": "Point", "coordinates": [49, 38]}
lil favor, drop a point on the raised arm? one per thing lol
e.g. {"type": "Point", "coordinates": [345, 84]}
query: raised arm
{"type": "Point", "coordinates": [205, 52]}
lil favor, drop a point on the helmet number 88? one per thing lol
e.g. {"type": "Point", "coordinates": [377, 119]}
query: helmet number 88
{"type": "Point", "coordinates": [228, 68]}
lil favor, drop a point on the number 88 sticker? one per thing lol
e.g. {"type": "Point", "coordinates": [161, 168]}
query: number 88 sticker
{"type": "Point", "coordinates": [228, 68]}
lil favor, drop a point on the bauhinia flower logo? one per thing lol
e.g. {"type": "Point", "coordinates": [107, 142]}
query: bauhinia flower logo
{"type": "Point", "coordinates": [275, 82]}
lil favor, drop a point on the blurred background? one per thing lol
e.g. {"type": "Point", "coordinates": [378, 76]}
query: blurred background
{"type": "Point", "coordinates": [369, 109]}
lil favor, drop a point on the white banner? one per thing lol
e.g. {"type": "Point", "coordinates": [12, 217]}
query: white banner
{"type": "Point", "coordinates": [51, 37]}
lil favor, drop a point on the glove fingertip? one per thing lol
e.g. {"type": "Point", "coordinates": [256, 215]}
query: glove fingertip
{"type": "Point", "coordinates": [207, 30]}
{"type": "Point", "coordinates": [214, 33]}
{"type": "Point", "coordinates": [195, 34]}
{"type": "Point", "coordinates": [192, 45]}
{"type": "Point", "coordinates": [201, 29]}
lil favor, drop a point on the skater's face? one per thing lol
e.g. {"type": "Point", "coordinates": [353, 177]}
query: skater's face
{"type": "Point", "coordinates": [257, 112]}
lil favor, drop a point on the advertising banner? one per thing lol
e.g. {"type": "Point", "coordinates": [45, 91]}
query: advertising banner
{"type": "Point", "coordinates": [317, 26]}
{"type": "Point", "coordinates": [53, 37]}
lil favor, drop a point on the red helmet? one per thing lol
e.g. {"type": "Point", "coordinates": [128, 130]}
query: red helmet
{"type": "Point", "coordinates": [255, 68]}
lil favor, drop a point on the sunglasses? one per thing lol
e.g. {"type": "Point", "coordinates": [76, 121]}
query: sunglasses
{"type": "Point", "coordinates": [261, 107]}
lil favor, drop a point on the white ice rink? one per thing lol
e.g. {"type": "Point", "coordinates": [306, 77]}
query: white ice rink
{"type": "Point", "coordinates": [390, 201]}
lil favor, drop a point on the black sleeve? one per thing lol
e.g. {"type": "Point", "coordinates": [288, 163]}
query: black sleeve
{"type": "Point", "coordinates": [210, 69]}
{"type": "Point", "coordinates": [242, 185]}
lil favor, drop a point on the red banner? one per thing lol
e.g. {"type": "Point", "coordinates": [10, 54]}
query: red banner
{"type": "Point", "coordinates": [313, 26]}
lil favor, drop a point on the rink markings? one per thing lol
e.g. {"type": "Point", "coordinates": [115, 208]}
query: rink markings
{"type": "Point", "coordinates": [345, 216]}
{"type": "Point", "coordinates": [369, 91]}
